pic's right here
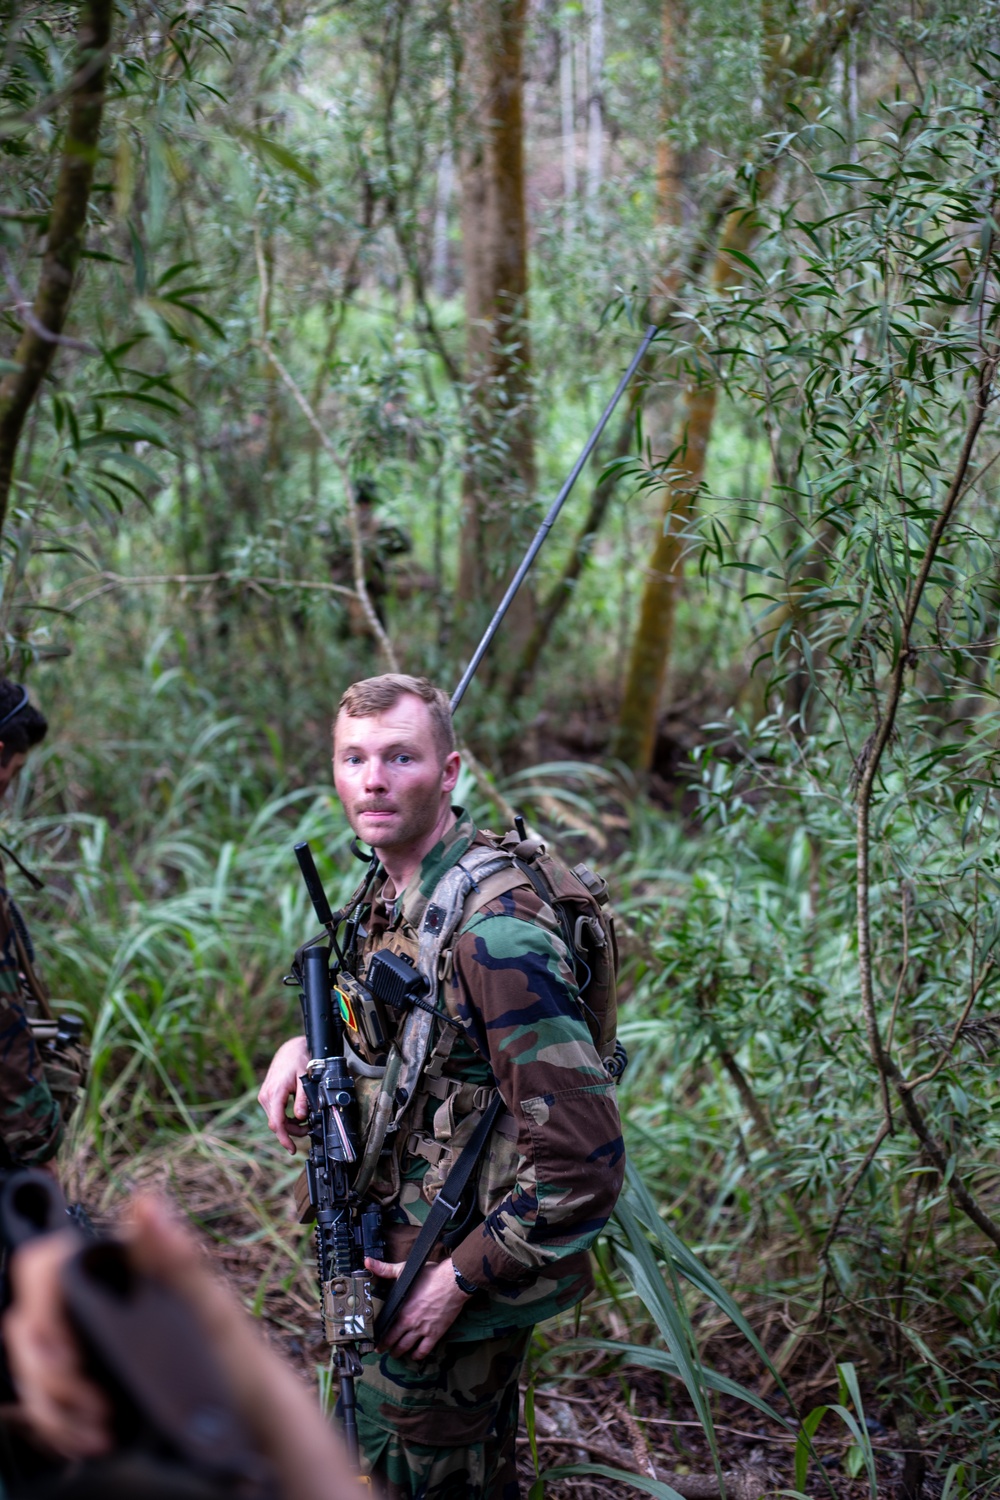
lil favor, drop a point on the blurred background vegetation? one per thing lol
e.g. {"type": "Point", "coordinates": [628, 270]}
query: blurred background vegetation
{"type": "Point", "coordinates": [306, 311]}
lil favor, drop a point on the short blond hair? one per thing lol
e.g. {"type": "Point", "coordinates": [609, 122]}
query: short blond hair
{"type": "Point", "coordinates": [373, 695]}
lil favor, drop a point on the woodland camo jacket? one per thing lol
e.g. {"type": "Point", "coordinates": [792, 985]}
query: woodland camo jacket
{"type": "Point", "coordinates": [29, 1116]}
{"type": "Point", "coordinates": [513, 991]}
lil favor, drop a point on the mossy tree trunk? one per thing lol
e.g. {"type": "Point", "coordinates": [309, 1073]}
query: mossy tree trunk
{"type": "Point", "coordinates": [653, 642]}
{"type": "Point", "coordinates": [44, 323]}
{"type": "Point", "coordinates": [499, 479]}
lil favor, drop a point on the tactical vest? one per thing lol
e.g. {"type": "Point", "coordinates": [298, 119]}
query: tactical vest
{"type": "Point", "coordinates": [410, 1104]}
{"type": "Point", "coordinates": [64, 1056]}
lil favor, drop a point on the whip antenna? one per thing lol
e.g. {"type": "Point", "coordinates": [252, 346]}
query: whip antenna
{"type": "Point", "coordinates": [546, 526]}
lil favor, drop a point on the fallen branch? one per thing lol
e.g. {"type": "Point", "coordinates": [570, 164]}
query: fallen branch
{"type": "Point", "coordinates": [110, 582]}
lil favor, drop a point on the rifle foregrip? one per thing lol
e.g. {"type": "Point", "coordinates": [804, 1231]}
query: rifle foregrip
{"type": "Point", "coordinates": [314, 885]}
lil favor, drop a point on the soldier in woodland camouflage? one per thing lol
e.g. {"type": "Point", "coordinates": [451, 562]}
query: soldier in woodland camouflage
{"type": "Point", "coordinates": [437, 1407]}
{"type": "Point", "coordinates": [30, 1114]}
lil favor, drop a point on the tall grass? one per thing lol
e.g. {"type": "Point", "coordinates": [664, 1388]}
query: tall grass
{"type": "Point", "coordinates": [169, 919]}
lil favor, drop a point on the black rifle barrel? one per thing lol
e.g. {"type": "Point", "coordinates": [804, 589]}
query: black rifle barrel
{"type": "Point", "coordinates": [546, 526]}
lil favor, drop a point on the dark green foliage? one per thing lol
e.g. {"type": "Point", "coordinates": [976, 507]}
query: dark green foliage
{"type": "Point", "coordinates": [178, 577]}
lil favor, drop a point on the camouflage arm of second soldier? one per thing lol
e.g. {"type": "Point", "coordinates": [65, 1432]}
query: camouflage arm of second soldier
{"type": "Point", "coordinates": [30, 1123]}
{"type": "Point", "coordinates": [514, 989]}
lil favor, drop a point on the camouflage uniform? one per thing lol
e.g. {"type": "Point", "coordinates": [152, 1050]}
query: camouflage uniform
{"type": "Point", "coordinates": [30, 1124]}
{"type": "Point", "coordinates": [549, 1180]}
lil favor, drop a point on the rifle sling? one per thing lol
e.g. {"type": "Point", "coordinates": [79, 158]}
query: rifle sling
{"type": "Point", "coordinates": [444, 1207]}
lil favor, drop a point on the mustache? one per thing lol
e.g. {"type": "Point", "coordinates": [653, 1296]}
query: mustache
{"type": "Point", "coordinates": [375, 807]}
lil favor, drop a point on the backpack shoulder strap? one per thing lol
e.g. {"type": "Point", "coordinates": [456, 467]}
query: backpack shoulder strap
{"type": "Point", "coordinates": [489, 889]}
{"type": "Point", "coordinates": [437, 924]}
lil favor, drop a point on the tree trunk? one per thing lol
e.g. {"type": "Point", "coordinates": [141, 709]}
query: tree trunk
{"type": "Point", "coordinates": [64, 242]}
{"type": "Point", "coordinates": [595, 101]}
{"type": "Point", "coordinates": [669, 214]}
{"type": "Point", "coordinates": [568, 124]}
{"type": "Point", "coordinates": [499, 479]}
{"type": "Point", "coordinates": [669, 175]}
{"type": "Point", "coordinates": [652, 644]}
{"type": "Point", "coordinates": [562, 590]}
{"type": "Point", "coordinates": [439, 253]}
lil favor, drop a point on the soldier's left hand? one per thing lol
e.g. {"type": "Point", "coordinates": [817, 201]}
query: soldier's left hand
{"type": "Point", "coordinates": [434, 1303]}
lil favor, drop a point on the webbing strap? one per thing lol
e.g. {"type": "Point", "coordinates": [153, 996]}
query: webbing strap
{"type": "Point", "coordinates": [444, 1207]}
{"type": "Point", "coordinates": [488, 890]}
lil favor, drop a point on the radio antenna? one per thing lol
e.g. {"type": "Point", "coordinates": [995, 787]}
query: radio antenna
{"type": "Point", "coordinates": [547, 524]}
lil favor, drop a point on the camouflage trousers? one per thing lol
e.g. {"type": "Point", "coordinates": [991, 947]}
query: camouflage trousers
{"type": "Point", "coordinates": [444, 1428]}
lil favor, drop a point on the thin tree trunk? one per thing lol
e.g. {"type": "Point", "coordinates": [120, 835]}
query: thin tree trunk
{"type": "Point", "coordinates": [439, 250]}
{"type": "Point", "coordinates": [499, 479]}
{"type": "Point", "coordinates": [812, 573]}
{"type": "Point", "coordinates": [669, 176]}
{"type": "Point", "coordinates": [595, 101]}
{"type": "Point", "coordinates": [264, 242]}
{"type": "Point", "coordinates": [562, 591]}
{"type": "Point", "coordinates": [653, 642]}
{"type": "Point", "coordinates": [64, 242]}
{"type": "Point", "coordinates": [669, 213]}
{"type": "Point", "coordinates": [568, 120]}
{"type": "Point", "coordinates": [867, 769]}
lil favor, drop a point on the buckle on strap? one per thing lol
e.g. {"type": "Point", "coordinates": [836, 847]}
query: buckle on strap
{"type": "Point", "coordinates": [430, 1151]}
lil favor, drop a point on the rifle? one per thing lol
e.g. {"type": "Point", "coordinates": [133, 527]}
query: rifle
{"type": "Point", "coordinates": [176, 1429]}
{"type": "Point", "coordinates": [346, 1228]}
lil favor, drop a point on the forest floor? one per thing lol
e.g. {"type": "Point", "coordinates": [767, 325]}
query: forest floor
{"type": "Point", "coordinates": [632, 1420]}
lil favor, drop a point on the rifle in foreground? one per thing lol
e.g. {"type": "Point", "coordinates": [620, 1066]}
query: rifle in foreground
{"type": "Point", "coordinates": [176, 1428]}
{"type": "Point", "coordinates": [346, 1229]}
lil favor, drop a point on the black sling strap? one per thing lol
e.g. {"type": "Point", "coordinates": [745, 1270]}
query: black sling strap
{"type": "Point", "coordinates": [444, 1207]}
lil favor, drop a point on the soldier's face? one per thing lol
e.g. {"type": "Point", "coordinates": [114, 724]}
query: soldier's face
{"type": "Point", "coordinates": [389, 774]}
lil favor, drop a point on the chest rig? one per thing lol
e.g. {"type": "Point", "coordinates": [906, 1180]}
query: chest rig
{"type": "Point", "coordinates": [423, 1088]}
{"type": "Point", "coordinates": [411, 1103]}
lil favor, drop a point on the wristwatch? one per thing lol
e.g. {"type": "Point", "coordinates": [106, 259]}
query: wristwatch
{"type": "Point", "coordinates": [464, 1284]}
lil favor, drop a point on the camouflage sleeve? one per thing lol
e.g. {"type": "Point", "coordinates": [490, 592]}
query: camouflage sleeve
{"type": "Point", "coordinates": [514, 990]}
{"type": "Point", "coordinates": [30, 1125]}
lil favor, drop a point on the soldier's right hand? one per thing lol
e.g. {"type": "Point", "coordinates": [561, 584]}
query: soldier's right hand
{"type": "Point", "coordinates": [281, 1084]}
